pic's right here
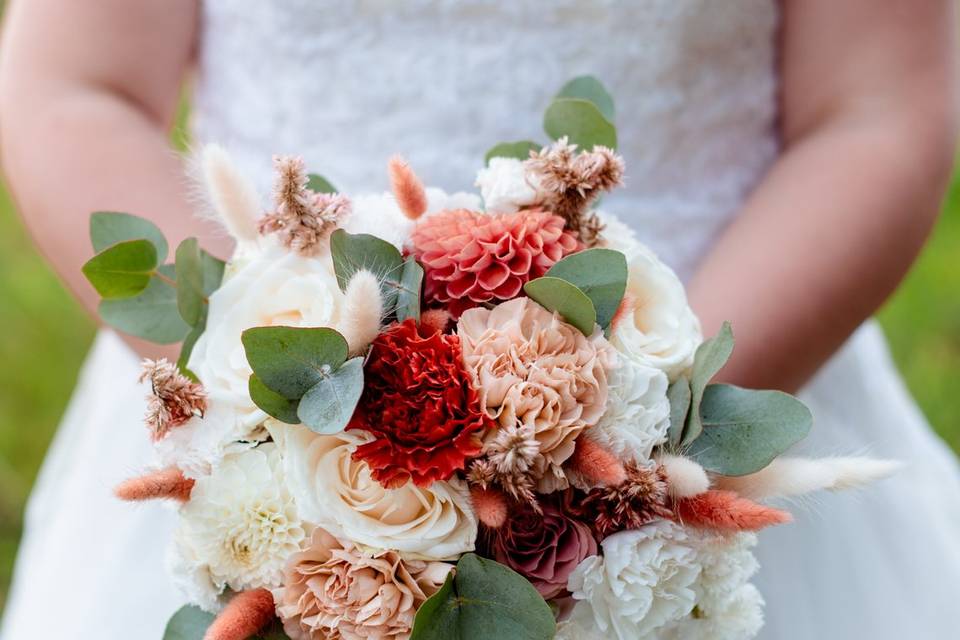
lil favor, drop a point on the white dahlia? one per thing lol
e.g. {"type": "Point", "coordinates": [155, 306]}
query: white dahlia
{"type": "Point", "coordinates": [644, 581]}
{"type": "Point", "coordinates": [637, 413]}
{"type": "Point", "coordinates": [507, 187]}
{"type": "Point", "coordinates": [240, 525]}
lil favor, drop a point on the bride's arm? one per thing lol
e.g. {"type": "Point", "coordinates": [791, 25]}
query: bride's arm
{"type": "Point", "coordinates": [868, 129]}
{"type": "Point", "coordinates": [88, 91]}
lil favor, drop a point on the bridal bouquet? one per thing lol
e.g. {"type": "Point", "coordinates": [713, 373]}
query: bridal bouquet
{"type": "Point", "coordinates": [426, 415]}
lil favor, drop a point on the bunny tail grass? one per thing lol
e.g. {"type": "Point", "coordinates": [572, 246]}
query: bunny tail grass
{"type": "Point", "coordinates": [231, 196]}
{"type": "Point", "coordinates": [596, 464]}
{"type": "Point", "coordinates": [685, 478]}
{"type": "Point", "coordinates": [726, 511]}
{"type": "Point", "coordinates": [363, 311]}
{"type": "Point", "coordinates": [407, 188]}
{"type": "Point", "coordinates": [435, 320]}
{"type": "Point", "coordinates": [166, 483]}
{"type": "Point", "coordinates": [786, 477]}
{"type": "Point", "coordinates": [246, 614]}
{"type": "Point", "coordinates": [490, 506]}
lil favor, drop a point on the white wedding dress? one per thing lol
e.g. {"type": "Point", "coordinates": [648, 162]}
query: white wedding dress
{"type": "Point", "coordinates": [346, 84]}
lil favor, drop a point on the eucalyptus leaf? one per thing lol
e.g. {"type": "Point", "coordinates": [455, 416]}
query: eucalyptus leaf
{"type": "Point", "coordinates": [189, 342]}
{"type": "Point", "coordinates": [744, 429]}
{"type": "Point", "coordinates": [591, 89]}
{"type": "Point", "coordinates": [483, 599]}
{"type": "Point", "coordinates": [566, 299]}
{"type": "Point", "coordinates": [291, 360]}
{"type": "Point", "coordinates": [408, 296]}
{"type": "Point", "coordinates": [519, 150]}
{"type": "Point", "coordinates": [709, 359]}
{"type": "Point", "coordinates": [353, 252]}
{"type": "Point", "coordinates": [152, 315]}
{"type": "Point", "coordinates": [190, 295]}
{"type": "Point", "coordinates": [273, 403]}
{"type": "Point", "coordinates": [581, 122]}
{"type": "Point", "coordinates": [213, 269]}
{"type": "Point", "coordinates": [599, 273]}
{"type": "Point", "coordinates": [108, 228]}
{"type": "Point", "coordinates": [319, 184]}
{"type": "Point", "coordinates": [679, 396]}
{"type": "Point", "coordinates": [328, 406]}
{"type": "Point", "coordinates": [122, 270]}
{"type": "Point", "coordinates": [188, 623]}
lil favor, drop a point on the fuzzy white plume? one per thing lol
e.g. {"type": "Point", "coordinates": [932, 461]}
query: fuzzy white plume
{"type": "Point", "coordinates": [786, 477]}
{"type": "Point", "coordinates": [685, 478]}
{"type": "Point", "coordinates": [230, 195]}
{"type": "Point", "coordinates": [362, 311]}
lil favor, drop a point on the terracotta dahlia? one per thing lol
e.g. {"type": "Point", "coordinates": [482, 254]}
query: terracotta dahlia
{"type": "Point", "coordinates": [471, 257]}
{"type": "Point", "coordinates": [421, 407]}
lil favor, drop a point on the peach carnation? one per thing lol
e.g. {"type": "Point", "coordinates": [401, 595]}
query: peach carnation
{"type": "Point", "coordinates": [533, 369]}
{"type": "Point", "coordinates": [332, 591]}
{"type": "Point", "coordinates": [471, 257]}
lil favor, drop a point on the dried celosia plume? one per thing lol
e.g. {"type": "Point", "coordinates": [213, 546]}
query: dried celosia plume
{"type": "Point", "coordinates": [230, 195]}
{"type": "Point", "coordinates": [490, 506]}
{"type": "Point", "coordinates": [726, 511]}
{"type": "Point", "coordinates": [302, 219]}
{"type": "Point", "coordinates": [596, 465]}
{"type": "Point", "coordinates": [484, 474]}
{"type": "Point", "coordinates": [796, 476]}
{"type": "Point", "coordinates": [174, 398]}
{"type": "Point", "coordinates": [246, 614]}
{"type": "Point", "coordinates": [407, 188]}
{"type": "Point", "coordinates": [685, 478]}
{"type": "Point", "coordinates": [166, 483]}
{"type": "Point", "coordinates": [362, 311]}
{"type": "Point", "coordinates": [573, 181]}
{"type": "Point", "coordinates": [639, 499]}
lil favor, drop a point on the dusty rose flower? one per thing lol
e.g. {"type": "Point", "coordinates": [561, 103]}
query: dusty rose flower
{"type": "Point", "coordinates": [543, 547]}
{"type": "Point", "coordinates": [471, 258]}
{"type": "Point", "coordinates": [535, 370]}
{"type": "Point", "coordinates": [334, 591]}
{"type": "Point", "coordinates": [173, 400]}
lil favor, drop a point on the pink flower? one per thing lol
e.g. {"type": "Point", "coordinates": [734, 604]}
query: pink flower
{"type": "Point", "coordinates": [470, 257]}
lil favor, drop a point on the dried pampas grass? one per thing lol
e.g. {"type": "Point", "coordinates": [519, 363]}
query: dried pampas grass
{"type": "Point", "coordinates": [785, 477]}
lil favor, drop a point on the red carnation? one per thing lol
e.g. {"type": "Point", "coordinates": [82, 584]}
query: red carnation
{"type": "Point", "coordinates": [419, 403]}
{"type": "Point", "coordinates": [471, 257]}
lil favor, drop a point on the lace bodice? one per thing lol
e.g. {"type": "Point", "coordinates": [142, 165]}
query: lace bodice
{"type": "Point", "coordinates": [346, 84]}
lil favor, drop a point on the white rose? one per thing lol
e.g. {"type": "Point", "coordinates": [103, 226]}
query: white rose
{"type": "Point", "coordinates": [662, 331]}
{"type": "Point", "coordinates": [239, 527]}
{"type": "Point", "coordinates": [338, 493]}
{"type": "Point", "coordinates": [643, 582]}
{"type": "Point", "coordinates": [506, 187]}
{"type": "Point", "coordinates": [637, 414]}
{"type": "Point", "coordinates": [618, 236]}
{"type": "Point", "coordinates": [740, 618]}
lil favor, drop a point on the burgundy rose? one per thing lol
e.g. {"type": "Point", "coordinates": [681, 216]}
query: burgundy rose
{"type": "Point", "coordinates": [544, 548]}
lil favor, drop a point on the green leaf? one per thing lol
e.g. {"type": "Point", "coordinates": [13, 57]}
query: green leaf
{"type": "Point", "coordinates": [353, 252]}
{"type": "Point", "coordinates": [744, 429]}
{"type": "Point", "coordinates": [108, 228]}
{"type": "Point", "coordinates": [566, 299]}
{"type": "Point", "coordinates": [679, 396]}
{"type": "Point", "coordinates": [581, 122]}
{"type": "Point", "coordinates": [483, 599]}
{"type": "Point", "coordinates": [328, 406]}
{"type": "Point", "coordinates": [189, 342]}
{"type": "Point", "coordinates": [273, 403]}
{"type": "Point", "coordinates": [709, 359]}
{"type": "Point", "coordinates": [188, 623]}
{"type": "Point", "coordinates": [122, 270]}
{"type": "Point", "coordinates": [319, 184]}
{"type": "Point", "coordinates": [408, 296]}
{"type": "Point", "coordinates": [291, 360]}
{"type": "Point", "coordinates": [519, 150]}
{"type": "Point", "coordinates": [599, 273]}
{"type": "Point", "coordinates": [190, 296]}
{"type": "Point", "coordinates": [590, 89]}
{"type": "Point", "coordinates": [213, 269]}
{"type": "Point", "coordinates": [152, 315]}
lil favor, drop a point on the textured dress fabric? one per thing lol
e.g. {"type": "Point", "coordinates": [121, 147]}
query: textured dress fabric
{"type": "Point", "coordinates": [348, 83]}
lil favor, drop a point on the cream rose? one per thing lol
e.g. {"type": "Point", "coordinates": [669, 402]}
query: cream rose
{"type": "Point", "coordinates": [662, 331]}
{"type": "Point", "coordinates": [506, 186]}
{"type": "Point", "coordinates": [338, 493]}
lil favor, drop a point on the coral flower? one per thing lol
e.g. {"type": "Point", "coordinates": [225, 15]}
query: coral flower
{"type": "Point", "coordinates": [421, 407]}
{"type": "Point", "coordinates": [471, 257]}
